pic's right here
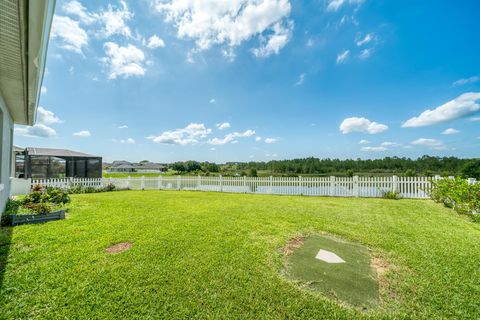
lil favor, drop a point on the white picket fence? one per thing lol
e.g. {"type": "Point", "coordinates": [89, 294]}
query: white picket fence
{"type": "Point", "coordinates": [407, 187]}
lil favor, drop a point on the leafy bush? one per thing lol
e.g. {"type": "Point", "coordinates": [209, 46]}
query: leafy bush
{"type": "Point", "coordinates": [76, 189]}
{"type": "Point", "coordinates": [472, 169]}
{"type": "Point", "coordinates": [458, 194]}
{"type": "Point", "coordinates": [39, 208]}
{"type": "Point", "coordinates": [392, 195]}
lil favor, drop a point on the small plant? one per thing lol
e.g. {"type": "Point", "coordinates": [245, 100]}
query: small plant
{"type": "Point", "coordinates": [392, 195]}
{"type": "Point", "coordinates": [39, 208]}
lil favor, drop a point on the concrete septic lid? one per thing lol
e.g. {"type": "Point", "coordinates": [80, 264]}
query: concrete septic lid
{"type": "Point", "coordinates": [328, 257]}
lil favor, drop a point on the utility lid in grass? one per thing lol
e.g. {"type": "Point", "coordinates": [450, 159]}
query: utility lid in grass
{"type": "Point", "coordinates": [339, 269]}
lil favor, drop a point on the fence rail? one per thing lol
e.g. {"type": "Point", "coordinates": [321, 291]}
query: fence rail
{"type": "Point", "coordinates": [407, 187]}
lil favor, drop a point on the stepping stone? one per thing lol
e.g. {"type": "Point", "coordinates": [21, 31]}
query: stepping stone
{"type": "Point", "coordinates": [328, 257]}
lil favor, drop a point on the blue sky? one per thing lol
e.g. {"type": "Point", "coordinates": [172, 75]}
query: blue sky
{"type": "Point", "coordinates": [258, 80]}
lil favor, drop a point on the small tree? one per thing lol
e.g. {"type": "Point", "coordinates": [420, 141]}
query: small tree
{"type": "Point", "coordinates": [472, 169]}
{"type": "Point", "coordinates": [410, 173]}
{"type": "Point", "coordinates": [349, 173]}
{"type": "Point", "coordinates": [253, 172]}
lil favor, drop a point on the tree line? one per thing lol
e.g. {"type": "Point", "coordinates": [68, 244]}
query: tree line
{"type": "Point", "coordinates": [425, 165]}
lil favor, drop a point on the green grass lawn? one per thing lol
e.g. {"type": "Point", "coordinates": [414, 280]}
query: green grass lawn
{"type": "Point", "coordinates": [213, 255]}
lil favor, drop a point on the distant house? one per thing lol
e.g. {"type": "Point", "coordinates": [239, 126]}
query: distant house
{"type": "Point", "coordinates": [24, 33]}
{"type": "Point", "coordinates": [145, 167]}
{"type": "Point", "coordinates": [45, 163]}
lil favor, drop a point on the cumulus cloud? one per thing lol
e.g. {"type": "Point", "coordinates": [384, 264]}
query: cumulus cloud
{"type": "Point", "coordinates": [342, 56]}
{"type": "Point", "coordinates": [464, 81]}
{"type": "Point", "coordinates": [71, 36]}
{"type": "Point", "coordinates": [431, 143]}
{"type": "Point", "coordinates": [83, 134]}
{"type": "Point", "coordinates": [184, 136]}
{"type": "Point", "coordinates": [450, 131]}
{"type": "Point", "coordinates": [128, 141]}
{"type": "Point", "coordinates": [230, 23]}
{"type": "Point", "coordinates": [231, 137]}
{"type": "Point", "coordinates": [362, 125]}
{"type": "Point", "coordinates": [270, 140]}
{"type": "Point", "coordinates": [374, 149]}
{"type": "Point", "coordinates": [363, 141]}
{"type": "Point", "coordinates": [212, 101]}
{"type": "Point", "coordinates": [123, 127]}
{"type": "Point", "coordinates": [389, 144]}
{"type": "Point", "coordinates": [114, 20]}
{"type": "Point", "coordinates": [36, 131]}
{"type": "Point", "coordinates": [258, 139]}
{"type": "Point", "coordinates": [75, 8]}
{"type": "Point", "coordinates": [461, 106]}
{"type": "Point", "coordinates": [45, 118]}
{"type": "Point", "coordinates": [155, 42]}
{"type": "Point", "coordinates": [124, 61]}
{"type": "Point", "coordinates": [222, 126]}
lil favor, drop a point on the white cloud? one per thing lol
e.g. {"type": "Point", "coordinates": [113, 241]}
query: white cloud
{"type": "Point", "coordinates": [301, 80]}
{"type": "Point", "coordinates": [124, 61]}
{"type": "Point", "coordinates": [335, 5]}
{"type": "Point", "coordinates": [128, 141]}
{"type": "Point", "coordinates": [270, 140]}
{"type": "Point", "coordinates": [184, 136]}
{"type": "Point", "coordinates": [364, 40]}
{"type": "Point", "coordinates": [212, 100]}
{"type": "Point", "coordinates": [46, 117]}
{"type": "Point", "coordinates": [461, 106]}
{"type": "Point", "coordinates": [155, 42]}
{"type": "Point", "coordinates": [474, 119]}
{"type": "Point", "coordinates": [258, 139]}
{"type": "Point", "coordinates": [461, 82]}
{"type": "Point", "coordinates": [222, 126]}
{"type": "Point", "coordinates": [123, 127]}
{"type": "Point", "coordinates": [373, 149]}
{"type": "Point", "coordinates": [72, 37]}
{"type": "Point", "coordinates": [365, 53]}
{"type": "Point", "coordinates": [362, 125]}
{"type": "Point", "coordinates": [343, 56]}
{"type": "Point", "coordinates": [37, 130]}
{"type": "Point", "coordinates": [83, 134]}
{"type": "Point", "coordinates": [275, 42]}
{"type": "Point", "coordinates": [450, 131]}
{"type": "Point", "coordinates": [229, 23]}
{"type": "Point", "coordinates": [431, 143]}
{"type": "Point", "coordinates": [43, 90]}
{"type": "Point", "coordinates": [77, 9]}
{"type": "Point", "coordinates": [389, 144]}
{"type": "Point", "coordinates": [363, 141]}
{"type": "Point", "coordinates": [230, 138]}
{"type": "Point", "coordinates": [114, 20]}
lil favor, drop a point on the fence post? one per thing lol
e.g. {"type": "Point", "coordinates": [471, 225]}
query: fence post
{"type": "Point", "coordinates": [356, 189]}
{"type": "Point", "coordinates": [128, 183]}
{"type": "Point", "coordinates": [178, 182]}
{"type": "Point", "coordinates": [159, 182]}
{"type": "Point", "coordinates": [471, 180]}
{"type": "Point", "coordinates": [332, 186]}
{"type": "Point", "coordinates": [245, 184]}
{"type": "Point", "coordinates": [395, 184]}
{"type": "Point", "coordinates": [143, 183]}
{"type": "Point", "coordinates": [221, 183]}
{"type": "Point", "coordinates": [300, 185]}
{"type": "Point", "coordinates": [270, 185]}
{"type": "Point", "coordinates": [199, 182]}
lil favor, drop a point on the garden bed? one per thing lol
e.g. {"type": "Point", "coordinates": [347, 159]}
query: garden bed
{"type": "Point", "coordinates": [18, 219]}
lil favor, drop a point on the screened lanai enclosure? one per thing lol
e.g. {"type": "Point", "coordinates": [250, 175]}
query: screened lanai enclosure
{"type": "Point", "coordinates": [44, 163]}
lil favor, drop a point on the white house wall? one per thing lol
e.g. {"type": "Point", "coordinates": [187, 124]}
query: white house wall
{"type": "Point", "coordinates": [6, 136]}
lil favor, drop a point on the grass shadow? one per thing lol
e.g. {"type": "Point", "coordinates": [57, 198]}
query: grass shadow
{"type": "Point", "coordinates": [5, 242]}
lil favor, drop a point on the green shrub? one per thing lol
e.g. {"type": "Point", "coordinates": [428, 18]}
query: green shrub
{"type": "Point", "coordinates": [39, 208]}
{"type": "Point", "coordinates": [392, 195]}
{"type": "Point", "coordinates": [458, 194]}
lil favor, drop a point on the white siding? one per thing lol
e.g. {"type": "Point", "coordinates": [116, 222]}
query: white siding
{"type": "Point", "coordinates": [6, 129]}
